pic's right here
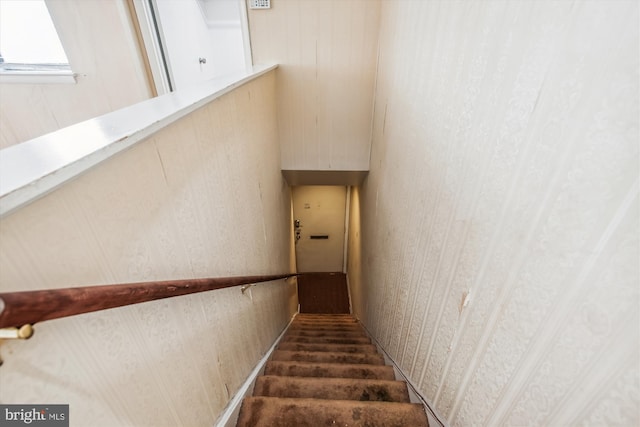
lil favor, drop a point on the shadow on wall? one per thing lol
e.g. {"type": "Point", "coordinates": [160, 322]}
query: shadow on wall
{"type": "Point", "coordinates": [354, 251]}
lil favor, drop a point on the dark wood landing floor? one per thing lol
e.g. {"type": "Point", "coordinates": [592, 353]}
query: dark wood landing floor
{"type": "Point", "coordinates": [323, 293]}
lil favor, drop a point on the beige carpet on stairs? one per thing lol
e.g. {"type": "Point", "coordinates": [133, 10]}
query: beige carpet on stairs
{"type": "Point", "coordinates": [326, 372]}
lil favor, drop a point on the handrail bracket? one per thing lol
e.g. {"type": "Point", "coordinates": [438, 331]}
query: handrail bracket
{"type": "Point", "coordinates": [23, 333]}
{"type": "Point", "coordinates": [245, 287]}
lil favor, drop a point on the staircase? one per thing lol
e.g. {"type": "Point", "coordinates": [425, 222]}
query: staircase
{"type": "Point", "coordinates": [326, 372]}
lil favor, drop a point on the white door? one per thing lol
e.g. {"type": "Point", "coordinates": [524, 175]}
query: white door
{"type": "Point", "coordinates": [201, 39]}
{"type": "Point", "coordinates": [319, 212]}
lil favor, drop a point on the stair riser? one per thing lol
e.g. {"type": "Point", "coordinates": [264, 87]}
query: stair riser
{"type": "Point", "coordinates": [327, 357]}
{"type": "Point", "coordinates": [327, 330]}
{"type": "Point", "coordinates": [340, 348]}
{"type": "Point", "coordinates": [325, 340]}
{"type": "Point", "coordinates": [324, 322]}
{"type": "Point", "coordinates": [332, 388]}
{"type": "Point", "coordinates": [326, 334]}
{"type": "Point", "coordinates": [327, 316]}
{"type": "Point", "coordinates": [269, 412]}
{"type": "Point", "coordinates": [323, 316]}
{"type": "Point", "coordinates": [329, 370]}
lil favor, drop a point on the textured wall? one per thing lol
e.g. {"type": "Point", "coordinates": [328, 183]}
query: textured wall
{"type": "Point", "coordinates": [102, 49]}
{"type": "Point", "coordinates": [505, 165]}
{"type": "Point", "coordinates": [327, 53]}
{"type": "Point", "coordinates": [202, 198]}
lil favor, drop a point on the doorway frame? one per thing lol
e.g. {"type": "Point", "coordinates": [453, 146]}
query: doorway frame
{"type": "Point", "coordinates": [153, 44]}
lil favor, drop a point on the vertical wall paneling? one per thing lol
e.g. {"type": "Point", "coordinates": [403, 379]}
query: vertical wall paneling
{"type": "Point", "coordinates": [326, 51]}
{"type": "Point", "coordinates": [203, 197]}
{"type": "Point", "coordinates": [499, 221]}
{"type": "Point", "coordinates": [103, 50]}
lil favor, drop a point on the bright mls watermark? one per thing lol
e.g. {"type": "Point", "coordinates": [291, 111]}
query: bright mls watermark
{"type": "Point", "coordinates": [34, 415]}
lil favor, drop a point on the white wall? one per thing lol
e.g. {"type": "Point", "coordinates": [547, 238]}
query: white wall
{"type": "Point", "coordinates": [327, 52]}
{"type": "Point", "coordinates": [102, 49]}
{"type": "Point", "coordinates": [201, 198]}
{"type": "Point", "coordinates": [505, 165]}
{"type": "Point", "coordinates": [194, 29]}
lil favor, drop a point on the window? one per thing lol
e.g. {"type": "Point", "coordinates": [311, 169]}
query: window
{"type": "Point", "coordinates": [29, 43]}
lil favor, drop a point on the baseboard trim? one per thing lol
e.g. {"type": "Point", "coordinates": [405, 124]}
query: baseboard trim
{"type": "Point", "coordinates": [229, 416]}
{"type": "Point", "coordinates": [435, 419]}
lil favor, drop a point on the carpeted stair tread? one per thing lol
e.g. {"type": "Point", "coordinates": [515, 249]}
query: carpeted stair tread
{"type": "Point", "coordinates": [341, 348]}
{"type": "Point", "coordinates": [319, 322]}
{"type": "Point", "coordinates": [329, 370]}
{"type": "Point", "coordinates": [328, 332]}
{"type": "Point", "coordinates": [327, 326]}
{"type": "Point", "coordinates": [328, 357]}
{"type": "Point", "coordinates": [288, 412]}
{"type": "Point", "coordinates": [325, 321]}
{"type": "Point", "coordinates": [331, 329]}
{"type": "Point", "coordinates": [323, 316]}
{"type": "Point", "coordinates": [332, 388]}
{"type": "Point", "coordinates": [326, 340]}
{"type": "Point", "coordinates": [324, 333]}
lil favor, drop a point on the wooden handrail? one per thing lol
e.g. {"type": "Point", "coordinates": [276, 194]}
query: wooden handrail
{"type": "Point", "coordinates": [29, 307]}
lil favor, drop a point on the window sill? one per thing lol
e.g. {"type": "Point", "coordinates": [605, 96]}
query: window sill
{"type": "Point", "coordinates": [37, 77]}
{"type": "Point", "coordinates": [31, 169]}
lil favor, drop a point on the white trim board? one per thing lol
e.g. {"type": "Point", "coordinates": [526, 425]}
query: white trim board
{"type": "Point", "coordinates": [33, 168]}
{"type": "Point", "coordinates": [152, 45]}
{"type": "Point", "coordinates": [229, 416]}
{"type": "Point", "coordinates": [435, 419]}
{"type": "Point", "coordinates": [38, 77]}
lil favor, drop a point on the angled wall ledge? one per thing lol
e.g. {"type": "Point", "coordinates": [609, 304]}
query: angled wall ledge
{"type": "Point", "coordinates": [33, 168]}
{"type": "Point", "coordinates": [324, 177]}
